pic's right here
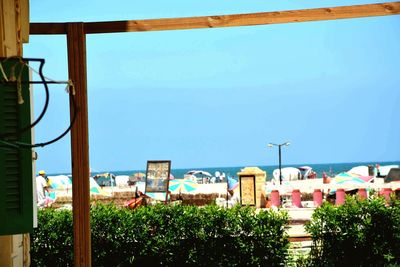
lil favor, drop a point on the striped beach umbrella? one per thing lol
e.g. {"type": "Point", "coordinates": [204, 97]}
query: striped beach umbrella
{"type": "Point", "coordinates": [95, 188]}
{"type": "Point", "coordinates": [349, 181]}
{"type": "Point", "coordinates": [59, 182]}
{"type": "Point", "coordinates": [349, 178]}
{"type": "Point", "coordinates": [182, 186]}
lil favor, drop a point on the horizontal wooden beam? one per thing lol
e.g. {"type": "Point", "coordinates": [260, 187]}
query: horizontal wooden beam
{"type": "Point", "coordinates": [265, 18]}
{"type": "Point", "coordinates": [48, 28]}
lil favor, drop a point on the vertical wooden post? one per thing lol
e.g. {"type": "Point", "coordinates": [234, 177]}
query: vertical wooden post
{"type": "Point", "coordinates": [76, 42]}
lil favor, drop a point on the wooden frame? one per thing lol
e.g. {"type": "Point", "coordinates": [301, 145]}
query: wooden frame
{"type": "Point", "coordinates": [157, 176]}
{"type": "Point", "coordinates": [76, 33]}
{"type": "Point", "coordinates": [247, 185]}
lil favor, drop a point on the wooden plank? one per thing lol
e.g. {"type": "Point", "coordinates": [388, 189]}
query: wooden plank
{"type": "Point", "coordinates": [18, 27]}
{"type": "Point", "coordinates": [48, 28]}
{"type": "Point", "coordinates": [9, 28]}
{"type": "Point", "coordinates": [2, 37]}
{"type": "Point", "coordinates": [6, 250]}
{"type": "Point", "coordinates": [76, 43]}
{"type": "Point", "coordinates": [265, 18]}
{"type": "Point", "coordinates": [235, 20]}
{"type": "Point", "coordinates": [24, 6]}
{"type": "Point", "coordinates": [14, 26]}
{"type": "Point", "coordinates": [318, 14]}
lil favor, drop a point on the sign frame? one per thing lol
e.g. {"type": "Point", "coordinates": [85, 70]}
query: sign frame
{"type": "Point", "coordinates": [157, 176]}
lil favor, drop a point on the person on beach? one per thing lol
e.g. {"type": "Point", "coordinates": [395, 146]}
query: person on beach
{"type": "Point", "coordinates": [232, 197]}
{"type": "Point", "coordinates": [41, 188]}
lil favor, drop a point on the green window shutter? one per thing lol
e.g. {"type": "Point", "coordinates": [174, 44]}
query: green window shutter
{"type": "Point", "coordinates": [16, 193]}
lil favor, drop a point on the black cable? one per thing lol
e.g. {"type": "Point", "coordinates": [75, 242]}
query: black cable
{"type": "Point", "coordinates": [25, 145]}
{"type": "Point", "coordinates": [19, 145]}
{"type": "Point", "coordinates": [46, 104]}
{"type": "Point", "coordinates": [8, 144]}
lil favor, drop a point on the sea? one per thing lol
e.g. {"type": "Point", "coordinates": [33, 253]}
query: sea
{"type": "Point", "coordinates": [330, 169]}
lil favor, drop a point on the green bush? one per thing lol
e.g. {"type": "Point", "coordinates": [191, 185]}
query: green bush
{"type": "Point", "coordinates": [52, 241]}
{"type": "Point", "coordinates": [358, 233]}
{"type": "Point", "coordinates": [167, 235]}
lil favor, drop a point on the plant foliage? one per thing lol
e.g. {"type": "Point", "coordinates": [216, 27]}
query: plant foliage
{"type": "Point", "coordinates": [166, 235]}
{"type": "Point", "coordinates": [358, 233]}
{"type": "Point", "coordinates": [52, 240]}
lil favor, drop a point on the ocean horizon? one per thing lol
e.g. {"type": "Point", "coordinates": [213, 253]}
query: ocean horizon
{"type": "Point", "coordinates": [330, 168]}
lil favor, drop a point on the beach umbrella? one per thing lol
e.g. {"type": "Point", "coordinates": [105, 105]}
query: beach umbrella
{"type": "Point", "coordinates": [359, 170]}
{"type": "Point", "coordinates": [349, 181]}
{"type": "Point", "coordinates": [95, 188]}
{"type": "Point", "coordinates": [384, 170]}
{"type": "Point", "coordinates": [59, 182]}
{"type": "Point", "coordinates": [305, 168]}
{"type": "Point", "coordinates": [105, 179]}
{"type": "Point", "coordinates": [182, 186]}
{"type": "Point", "coordinates": [350, 178]}
{"type": "Point", "coordinates": [202, 173]}
{"type": "Point", "coordinates": [344, 174]}
{"type": "Point", "coordinates": [232, 183]}
{"type": "Point", "coordinates": [139, 175]}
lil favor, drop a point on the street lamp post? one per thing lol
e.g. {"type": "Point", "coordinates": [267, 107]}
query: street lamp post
{"type": "Point", "coordinates": [280, 158]}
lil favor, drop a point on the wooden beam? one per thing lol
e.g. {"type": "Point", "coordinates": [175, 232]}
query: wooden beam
{"type": "Point", "coordinates": [76, 43]}
{"type": "Point", "coordinates": [2, 39]}
{"type": "Point", "coordinates": [24, 5]}
{"type": "Point", "coordinates": [48, 28]}
{"type": "Point", "coordinates": [8, 29]}
{"type": "Point", "coordinates": [265, 18]}
{"type": "Point", "coordinates": [18, 26]}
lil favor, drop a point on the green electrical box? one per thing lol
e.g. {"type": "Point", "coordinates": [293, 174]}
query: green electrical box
{"type": "Point", "coordinates": [16, 189]}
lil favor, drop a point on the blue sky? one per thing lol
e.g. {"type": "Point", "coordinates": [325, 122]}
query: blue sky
{"type": "Point", "coordinates": [217, 97]}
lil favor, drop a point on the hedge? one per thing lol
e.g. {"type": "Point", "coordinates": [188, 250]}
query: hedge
{"type": "Point", "coordinates": [166, 235]}
{"type": "Point", "coordinates": [358, 233]}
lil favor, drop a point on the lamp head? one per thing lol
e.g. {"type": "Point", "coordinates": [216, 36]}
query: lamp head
{"type": "Point", "coordinates": [270, 145]}
{"type": "Point", "coordinates": [287, 143]}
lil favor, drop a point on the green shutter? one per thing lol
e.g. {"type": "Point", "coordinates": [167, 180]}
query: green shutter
{"type": "Point", "coordinates": [16, 195]}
